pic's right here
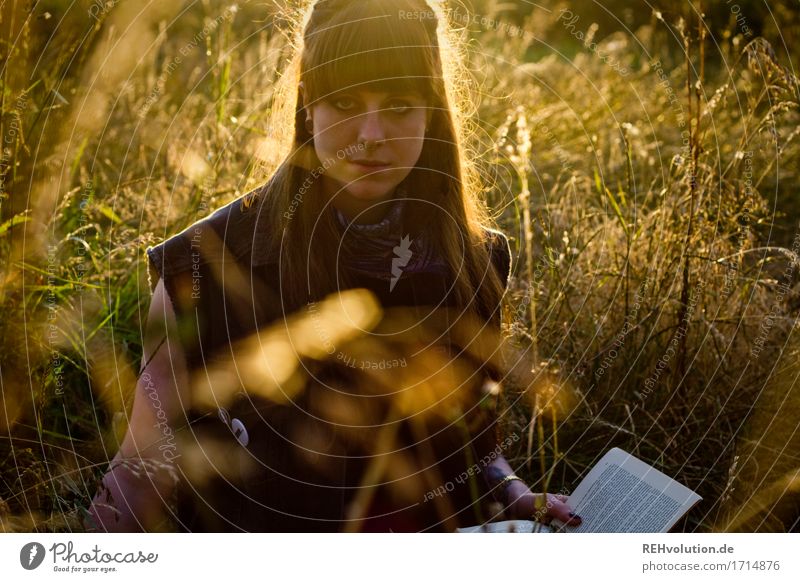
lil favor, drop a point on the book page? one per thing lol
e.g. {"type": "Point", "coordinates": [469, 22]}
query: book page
{"type": "Point", "coordinates": [623, 494]}
{"type": "Point", "coordinates": [508, 526]}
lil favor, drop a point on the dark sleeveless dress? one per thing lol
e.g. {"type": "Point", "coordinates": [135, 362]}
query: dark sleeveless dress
{"type": "Point", "coordinates": [261, 465]}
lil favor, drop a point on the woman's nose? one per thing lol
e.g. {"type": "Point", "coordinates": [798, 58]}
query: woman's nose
{"type": "Point", "coordinates": [370, 129]}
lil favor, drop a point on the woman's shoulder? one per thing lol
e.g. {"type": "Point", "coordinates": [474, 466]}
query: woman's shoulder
{"type": "Point", "coordinates": [227, 233]}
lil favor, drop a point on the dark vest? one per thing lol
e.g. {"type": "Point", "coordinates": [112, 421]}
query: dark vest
{"type": "Point", "coordinates": [311, 460]}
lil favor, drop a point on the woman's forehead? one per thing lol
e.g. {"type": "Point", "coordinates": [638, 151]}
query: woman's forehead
{"type": "Point", "coordinates": [407, 87]}
{"type": "Point", "coordinates": [369, 44]}
{"type": "Point", "coordinates": [380, 92]}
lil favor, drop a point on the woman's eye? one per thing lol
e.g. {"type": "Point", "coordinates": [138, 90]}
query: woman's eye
{"type": "Point", "coordinates": [400, 107]}
{"type": "Point", "coordinates": [344, 103]}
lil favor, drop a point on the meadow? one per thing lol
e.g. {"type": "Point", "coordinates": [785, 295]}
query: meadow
{"type": "Point", "coordinates": [644, 166]}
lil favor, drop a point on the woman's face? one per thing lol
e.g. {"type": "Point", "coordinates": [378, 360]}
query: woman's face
{"type": "Point", "coordinates": [369, 142]}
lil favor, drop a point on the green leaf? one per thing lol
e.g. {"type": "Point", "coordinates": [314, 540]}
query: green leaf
{"type": "Point", "coordinates": [597, 183]}
{"type": "Point", "coordinates": [618, 212]}
{"type": "Point", "coordinates": [110, 214]}
{"type": "Point", "coordinates": [13, 221]}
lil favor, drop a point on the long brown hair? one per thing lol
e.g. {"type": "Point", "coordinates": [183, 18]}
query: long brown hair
{"type": "Point", "coordinates": [356, 42]}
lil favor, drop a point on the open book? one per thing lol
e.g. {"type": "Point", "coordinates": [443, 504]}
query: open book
{"type": "Point", "coordinates": [621, 494]}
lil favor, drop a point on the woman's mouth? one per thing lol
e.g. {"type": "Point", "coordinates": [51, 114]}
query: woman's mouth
{"type": "Point", "coordinates": [370, 165]}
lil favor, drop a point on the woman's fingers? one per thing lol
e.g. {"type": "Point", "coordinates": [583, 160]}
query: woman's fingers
{"type": "Point", "coordinates": [558, 509]}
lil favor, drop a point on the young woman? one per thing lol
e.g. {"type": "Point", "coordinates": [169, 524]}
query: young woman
{"type": "Point", "coordinates": [377, 191]}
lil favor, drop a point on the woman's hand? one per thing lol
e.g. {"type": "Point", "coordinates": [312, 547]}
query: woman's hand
{"type": "Point", "coordinates": [525, 504]}
{"type": "Point", "coordinates": [522, 503]}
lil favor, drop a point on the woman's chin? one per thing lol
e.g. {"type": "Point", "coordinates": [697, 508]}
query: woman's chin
{"type": "Point", "coordinates": [370, 194]}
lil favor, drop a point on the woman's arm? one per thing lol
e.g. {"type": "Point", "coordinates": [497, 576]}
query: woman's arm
{"type": "Point", "coordinates": [517, 498]}
{"type": "Point", "coordinates": [137, 489]}
{"type": "Point", "coordinates": [521, 503]}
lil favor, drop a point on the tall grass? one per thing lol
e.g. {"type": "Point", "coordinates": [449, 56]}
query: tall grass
{"type": "Point", "coordinates": [653, 246]}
